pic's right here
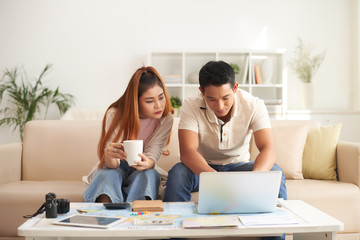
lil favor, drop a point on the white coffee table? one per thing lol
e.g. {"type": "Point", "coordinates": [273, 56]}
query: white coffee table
{"type": "Point", "coordinates": [313, 224]}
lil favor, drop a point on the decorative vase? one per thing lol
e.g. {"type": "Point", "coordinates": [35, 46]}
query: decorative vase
{"type": "Point", "coordinates": [266, 69]}
{"type": "Point", "coordinates": [307, 95]}
{"type": "Point", "coordinates": [193, 77]}
{"type": "Point", "coordinates": [176, 112]}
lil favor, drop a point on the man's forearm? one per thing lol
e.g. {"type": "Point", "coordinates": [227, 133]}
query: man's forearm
{"type": "Point", "coordinates": [196, 163]}
{"type": "Point", "coordinates": [265, 160]}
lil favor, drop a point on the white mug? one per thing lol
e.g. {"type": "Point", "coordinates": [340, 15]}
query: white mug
{"type": "Point", "coordinates": [132, 149]}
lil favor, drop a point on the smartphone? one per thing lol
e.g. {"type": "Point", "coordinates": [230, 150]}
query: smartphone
{"type": "Point", "coordinates": [120, 205]}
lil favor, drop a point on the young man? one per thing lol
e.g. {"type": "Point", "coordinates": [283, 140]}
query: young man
{"type": "Point", "coordinates": [215, 130]}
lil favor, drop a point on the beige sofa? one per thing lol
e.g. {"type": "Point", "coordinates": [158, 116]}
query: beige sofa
{"type": "Point", "coordinates": [56, 154]}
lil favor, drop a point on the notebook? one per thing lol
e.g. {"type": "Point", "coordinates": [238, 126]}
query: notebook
{"type": "Point", "coordinates": [148, 205]}
{"type": "Point", "coordinates": [238, 192]}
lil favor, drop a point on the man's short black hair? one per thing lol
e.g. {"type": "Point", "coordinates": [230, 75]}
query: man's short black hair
{"type": "Point", "coordinates": [216, 73]}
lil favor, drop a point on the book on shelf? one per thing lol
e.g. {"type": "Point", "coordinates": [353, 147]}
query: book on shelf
{"type": "Point", "coordinates": [246, 70]}
{"type": "Point", "coordinates": [257, 74]}
{"type": "Point", "coordinates": [253, 75]}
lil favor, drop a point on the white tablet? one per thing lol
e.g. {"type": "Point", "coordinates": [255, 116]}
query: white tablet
{"type": "Point", "coordinates": [89, 221]}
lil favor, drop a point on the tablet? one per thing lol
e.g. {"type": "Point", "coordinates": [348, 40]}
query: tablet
{"type": "Point", "coordinates": [89, 221]}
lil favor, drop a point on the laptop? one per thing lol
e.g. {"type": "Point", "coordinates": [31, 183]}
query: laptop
{"type": "Point", "coordinates": [238, 192]}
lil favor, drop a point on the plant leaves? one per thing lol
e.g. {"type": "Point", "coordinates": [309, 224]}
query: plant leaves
{"type": "Point", "coordinates": [25, 98]}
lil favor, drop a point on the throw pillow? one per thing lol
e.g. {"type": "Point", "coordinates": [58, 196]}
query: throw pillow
{"type": "Point", "coordinates": [289, 146]}
{"type": "Point", "coordinates": [289, 142]}
{"type": "Point", "coordinates": [319, 157]}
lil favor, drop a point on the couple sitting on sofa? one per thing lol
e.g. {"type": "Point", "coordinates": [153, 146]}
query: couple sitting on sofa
{"type": "Point", "coordinates": [214, 134]}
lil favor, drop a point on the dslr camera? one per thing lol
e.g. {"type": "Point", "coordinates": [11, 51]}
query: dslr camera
{"type": "Point", "coordinates": [54, 206]}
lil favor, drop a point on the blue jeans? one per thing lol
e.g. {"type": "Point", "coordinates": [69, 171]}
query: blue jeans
{"type": "Point", "coordinates": [182, 181]}
{"type": "Point", "coordinates": [123, 184]}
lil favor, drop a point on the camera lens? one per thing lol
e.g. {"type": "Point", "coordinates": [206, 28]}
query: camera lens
{"type": "Point", "coordinates": [63, 205]}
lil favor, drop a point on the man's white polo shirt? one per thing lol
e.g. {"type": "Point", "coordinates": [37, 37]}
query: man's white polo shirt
{"type": "Point", "coordinates": [220, 143]}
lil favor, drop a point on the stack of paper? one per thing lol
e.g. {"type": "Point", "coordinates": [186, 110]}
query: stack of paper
{"type": "Point", "coordinates": [211, 221]}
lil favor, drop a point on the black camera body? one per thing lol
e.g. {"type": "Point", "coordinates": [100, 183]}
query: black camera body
{"type": "Point", "coordinates": [54, 206]}
{"type": "Point", "coordinates": [50, 205]}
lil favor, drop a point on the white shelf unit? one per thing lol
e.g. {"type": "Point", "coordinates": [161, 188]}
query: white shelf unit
{"type": "Point", "coordinates": [180, 70]}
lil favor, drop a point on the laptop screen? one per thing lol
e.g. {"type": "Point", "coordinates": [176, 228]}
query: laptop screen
{"type": "Point", "coordinates": [238, 192]}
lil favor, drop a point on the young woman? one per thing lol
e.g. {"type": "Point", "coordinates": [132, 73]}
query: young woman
{"type": "Point", "coordinates": [143, 112]}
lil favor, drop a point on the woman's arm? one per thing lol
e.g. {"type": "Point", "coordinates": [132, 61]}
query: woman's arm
{"type": "Point", "coordinates": [154, 147]}
{"type": "Point", "coordinates": [112, 154]}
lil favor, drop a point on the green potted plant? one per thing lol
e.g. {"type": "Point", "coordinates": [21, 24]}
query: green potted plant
{"type": "Point", "coordinates": [235, 67]}
{"type": "Point", "coordinates": [25, 98]}
{"type": "Point", "coordinates": [176, 104]}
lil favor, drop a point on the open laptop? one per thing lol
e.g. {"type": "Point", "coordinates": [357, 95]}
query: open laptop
{"type": "Point", "coordinates": [238, 192]}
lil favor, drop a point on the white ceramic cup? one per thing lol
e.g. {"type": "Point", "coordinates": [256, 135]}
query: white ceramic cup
{"type": "Point", "coordinates": [132, 149]}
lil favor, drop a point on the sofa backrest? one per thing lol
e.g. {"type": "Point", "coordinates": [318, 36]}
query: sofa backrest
{"type": "Point", "coordinates": [67, 150]}
{"type": "Point", "coordinates": [59, 149]}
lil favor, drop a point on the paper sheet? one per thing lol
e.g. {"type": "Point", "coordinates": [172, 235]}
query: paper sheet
{"type": "Point", "coordinates": [279, 217]}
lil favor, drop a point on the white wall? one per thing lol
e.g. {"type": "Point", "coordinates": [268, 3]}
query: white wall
{"type": "Point", "coordinates": [95, 45]}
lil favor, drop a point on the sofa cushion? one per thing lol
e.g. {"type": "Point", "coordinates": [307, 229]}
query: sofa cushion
{"type": "Point", "coordinates": [338, 199]}
{"type": "Point", "coordinates": [10, 162]}
{"type": "Point", "coordinates": [25, 197]}
{"type": "Point", "coordinates": [319, 158]}
{"type": "Point", "coordinates": [289, 141]}
{"type": "Point", "coordinates": [289, 146]}
{"type": "Point", "coordinates": [59, 149]}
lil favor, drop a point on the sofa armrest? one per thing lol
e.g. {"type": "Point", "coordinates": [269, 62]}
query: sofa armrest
{"type": "Point", "coordinates": [348, 162]}
{"type": "Point", "coordinates": [10, 162]}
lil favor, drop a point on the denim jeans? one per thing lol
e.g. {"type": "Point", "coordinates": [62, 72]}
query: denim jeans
{"type": "Point", "coordinates": [182, 181]}
{"type": "Point", "coordinates": [123, 184]}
